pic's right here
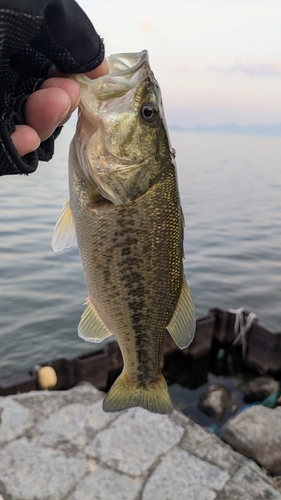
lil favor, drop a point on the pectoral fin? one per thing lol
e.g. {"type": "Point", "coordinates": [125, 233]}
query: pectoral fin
{"type": "Point", "coordinates": [182, 324]}
{"type": "Point", "coordinates": [91, 326]}
{"type": "Point", "coordinates": [64, 231]}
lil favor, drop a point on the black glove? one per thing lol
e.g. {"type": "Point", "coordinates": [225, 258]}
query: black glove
{"type": "Point", "coordinates": [34, 34]}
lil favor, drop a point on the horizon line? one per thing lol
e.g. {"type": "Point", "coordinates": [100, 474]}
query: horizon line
{"type": "Point", "coordinates": [233, 128]}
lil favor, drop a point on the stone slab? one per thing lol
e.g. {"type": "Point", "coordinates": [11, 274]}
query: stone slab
{"type": "Point", "coordinates": [104, 484]}
{"type": "Point", "coordinates": [181, 475]}
{"type": "Point", "coordinates": [132, 455]}
{"type": "Point", "coordinates": [135, 440]}
{"type": "Point", "coordinates": [74, 423]}
{"type": "Point", "coordinates": [44, 403]}
{"type": "Point", "coordinates": [29, 471]}
{"type": "Point", "coordinates": [14, 418]}
{"type": "Point", "coordinates": [248, 485]}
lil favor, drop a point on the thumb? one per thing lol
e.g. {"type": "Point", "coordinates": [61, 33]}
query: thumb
{"type": "Point", "coordinates": [68, 38]}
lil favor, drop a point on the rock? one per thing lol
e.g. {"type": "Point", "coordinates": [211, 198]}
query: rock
{"type": "Point", "coordinates": [276, 481]}
{"type": "Point", "coordinates": [256, 432]}
{"type": "Point", "coordinates": [259, 388]}
{"type": "Point", "coordinates": [271, 400]}
{"type": "Point", "coordinates": [214, 400]}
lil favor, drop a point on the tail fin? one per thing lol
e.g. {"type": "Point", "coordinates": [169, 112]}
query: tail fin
{"type": "Point", "coordinates": [126, 394]}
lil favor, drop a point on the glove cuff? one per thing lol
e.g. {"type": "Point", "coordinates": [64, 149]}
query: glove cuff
{"type": "Point", "coordinates": [10, 161]}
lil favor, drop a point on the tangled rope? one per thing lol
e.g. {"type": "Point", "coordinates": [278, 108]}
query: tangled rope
{"type": "Point", "coordinates": [241, 327]}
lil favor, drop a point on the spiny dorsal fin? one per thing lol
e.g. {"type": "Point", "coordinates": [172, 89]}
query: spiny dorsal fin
{"type": "Point", "coordinates": [64, 230]}
{"type": "Point", "coordinates": [91, 326]}
{"type": "Point", "coordinates": [182, 325]}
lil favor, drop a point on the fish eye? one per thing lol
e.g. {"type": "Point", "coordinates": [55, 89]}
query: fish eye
{"type": "Point", "coordinates": [149, 112]}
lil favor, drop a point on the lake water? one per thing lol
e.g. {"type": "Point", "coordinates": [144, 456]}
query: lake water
{"type": "Point", "coordinates": [231, 195]}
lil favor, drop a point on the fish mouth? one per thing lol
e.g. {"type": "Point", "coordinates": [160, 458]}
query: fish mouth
{"type": "Point", "coordinates": [126, 64]}
{"type": "Point", "coordinates": [126, 71]}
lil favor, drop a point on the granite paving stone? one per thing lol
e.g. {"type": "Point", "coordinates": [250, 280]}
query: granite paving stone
{"type": "Point", "coordinates": [14, 418]}
{"type": "Point", "coordinates": [209, 447]}
{"type": "Point", "coordinates": [62, 446]}
{"type": "Point", "coordinates": [248, 485]}
{"type": "Point", "coordinates": [137, 434]}
{"type": "Point", "coordinates": [104, 484]}
{"type": "Point", "coordinates": [44, 403]}
{"type": "Point", "coordinates": [191, 478]}
{"type": "Point", "coordinates": [75, 423]}
{"type": "Point", "coordinates": [32, 472]}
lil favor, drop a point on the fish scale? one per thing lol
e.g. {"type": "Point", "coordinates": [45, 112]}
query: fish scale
{"type": "Point", "coordinates": [129, 229]}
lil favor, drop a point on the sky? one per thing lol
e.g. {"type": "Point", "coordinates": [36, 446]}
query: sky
{"type": "Point", "coordinates": [217, 61]}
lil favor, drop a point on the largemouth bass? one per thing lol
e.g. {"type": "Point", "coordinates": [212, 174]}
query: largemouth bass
{"type": "Point", "coordinates": [125, 212]}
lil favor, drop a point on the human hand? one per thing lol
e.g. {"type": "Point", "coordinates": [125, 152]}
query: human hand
{"type": "Point", "coordinates": [48, 108]}
{"type": "Point", "coordinates": [34, 100]}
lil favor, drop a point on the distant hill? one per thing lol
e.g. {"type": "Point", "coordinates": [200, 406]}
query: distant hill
{"type": "Point", "coordinates": [233, 128]}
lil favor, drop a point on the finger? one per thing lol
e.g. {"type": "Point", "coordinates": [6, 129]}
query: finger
{"type": "Point", "coordinates": [25, 139]}
{"type": "Point", "coordinates": [45, 110]}
{"type": "Point", "coordinates": [101, 70]}
{"type": "Point", "coordinates": [69, 86]}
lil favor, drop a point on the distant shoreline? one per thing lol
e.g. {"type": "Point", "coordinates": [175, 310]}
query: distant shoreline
{"type": "Point", "coordinates": [231, 128]}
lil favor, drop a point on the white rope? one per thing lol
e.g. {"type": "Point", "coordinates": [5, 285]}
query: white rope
{"type": "Point", "coordinates": [241, 328]}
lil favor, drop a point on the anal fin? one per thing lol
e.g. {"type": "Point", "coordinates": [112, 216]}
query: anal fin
{"type": "Point", "coordinates": [91, 326]}
{"type": "Point", "coordinates": [183, 323]}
